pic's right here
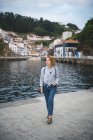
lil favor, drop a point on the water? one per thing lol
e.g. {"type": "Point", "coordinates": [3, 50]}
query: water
{"type": "Point", "coordinates": [20, 79]}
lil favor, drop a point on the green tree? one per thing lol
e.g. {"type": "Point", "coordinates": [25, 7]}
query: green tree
{"type": "Point", "coordinates": [86, 38]}
{"type": "Point", "coordinates": [24, 24]}
{"type": "Point", "coordinates": [72, 26]}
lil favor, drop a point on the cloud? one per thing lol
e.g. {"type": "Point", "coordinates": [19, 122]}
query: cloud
{"type": "Point", "coordinates": [68, 2]}
{"type": "Point", "coordinates": [43, 5]}
{"type": "Point", "coordinates": [77, 12]}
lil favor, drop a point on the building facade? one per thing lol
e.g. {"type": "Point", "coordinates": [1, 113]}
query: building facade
{"type": "Point", "coordinates": [66, 49]}
{"type": "Point", "coordinates": [19, 48]}
{"type": "Point", "coordinates": [66, 35]}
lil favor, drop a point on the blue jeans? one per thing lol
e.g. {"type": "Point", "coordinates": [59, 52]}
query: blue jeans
{"type": "Point", "coordinates": [49, 93]}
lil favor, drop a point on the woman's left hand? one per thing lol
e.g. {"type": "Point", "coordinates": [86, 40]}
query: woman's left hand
{"type": "Point", "coordinates": [54, 84]}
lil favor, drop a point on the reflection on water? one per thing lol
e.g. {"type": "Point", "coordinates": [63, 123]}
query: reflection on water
{"type": "Point", "coordinates": [20, 79]}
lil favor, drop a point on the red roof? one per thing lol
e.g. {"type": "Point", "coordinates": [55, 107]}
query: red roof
{"type": "Point", "coordinates": [71, 41]}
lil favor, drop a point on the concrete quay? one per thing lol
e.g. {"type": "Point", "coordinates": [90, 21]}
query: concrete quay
{"type": "Point", "coordinates": [26, 120]}
{"type": "Point", "coordinates": [13, 58]}
{"type": "Point", "coordinates": [73, 60]}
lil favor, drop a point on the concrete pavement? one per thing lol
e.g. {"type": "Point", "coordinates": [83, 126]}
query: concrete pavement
{"type": "Point", "coordinates": [26, 120]}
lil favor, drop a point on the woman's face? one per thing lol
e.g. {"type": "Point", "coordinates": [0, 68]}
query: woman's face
{"type": "Point", "coordinates": [48, 62]}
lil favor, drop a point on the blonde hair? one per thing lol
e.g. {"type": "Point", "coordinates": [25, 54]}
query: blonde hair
{"type": "Point", "coordinates": [52, 60]}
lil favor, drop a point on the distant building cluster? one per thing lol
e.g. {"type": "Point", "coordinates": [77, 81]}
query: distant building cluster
{"type": "Point", "coordinates": [24, 47]}
{"type": "Point", "coordinates": [27, 47]}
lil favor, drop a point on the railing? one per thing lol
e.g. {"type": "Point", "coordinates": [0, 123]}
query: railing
{"type": "Point", "coordinates": [75, 57]}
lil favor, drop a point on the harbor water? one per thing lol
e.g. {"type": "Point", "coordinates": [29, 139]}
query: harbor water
{"type": "Point", "coordinates": [20, 79]}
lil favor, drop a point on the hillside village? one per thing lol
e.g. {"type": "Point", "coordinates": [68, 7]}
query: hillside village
{"type": "Point", "coordinates": [27, 47]}
{"type": "Point", "coordinates": [31, 36]}
{"type": "Point", "coordinates": [21, 46]}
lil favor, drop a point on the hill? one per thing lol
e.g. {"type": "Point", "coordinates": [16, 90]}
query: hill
{"type": "Point", "coordinates": [24, 24]}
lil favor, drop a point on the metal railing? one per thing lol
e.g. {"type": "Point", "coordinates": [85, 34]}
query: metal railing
{"type": "Point", "coordinates": [76, 57]}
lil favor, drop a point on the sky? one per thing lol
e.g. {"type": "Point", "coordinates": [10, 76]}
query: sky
{"type": "Point", "coordinates": [64, 11]}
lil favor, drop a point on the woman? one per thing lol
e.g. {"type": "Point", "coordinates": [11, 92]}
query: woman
{"type": "Point", "coordinates": [49, 79]}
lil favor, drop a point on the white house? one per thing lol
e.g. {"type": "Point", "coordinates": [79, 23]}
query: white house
{"type": "Point", "coordinates": [66, 35]}
{"type": "Point", "coordinates": [18, 39]}
{"type": "Point", "coordinates": [22, 49]}
{"type": "Point", "coordinates": [46, 38]}
{"type": "Point", "coordinates": [13, 47]}
{"type": "Point", "coordinates": [19, 48]}
{"type": "Point", "coordinates": [57, 41]}
{"type": "Point", "coordinates": [8, 39]}
{"type": "Point", "coordinates": [67, 49]}
{"type": "Point", "coordinates": [33, 37]}
{"type": "Point", "coordinates": [39, 47]}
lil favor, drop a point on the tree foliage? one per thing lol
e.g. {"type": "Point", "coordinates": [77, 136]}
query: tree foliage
{"type": "Point", "coordinates": [24, 24]}
{"type": "Point", "coordinates": [44, 42]}
{"type": "Point", "coordinates": [86, 38]}
{"type": "Point", "coordinates": [72, 26]}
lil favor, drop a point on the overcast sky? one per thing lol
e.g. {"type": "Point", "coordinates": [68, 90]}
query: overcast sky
{"type": "Point", "coordinates": [64, 11]}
